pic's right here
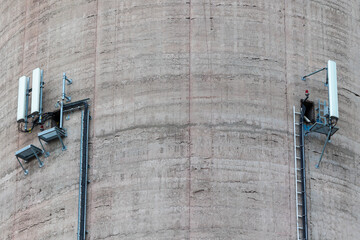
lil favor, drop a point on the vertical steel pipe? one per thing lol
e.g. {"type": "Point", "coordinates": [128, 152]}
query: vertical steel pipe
{"type": "Point", "coordinates": [41, 95]}
{"type": "Point", "coordinates": [27, 101]}
{"type": "Point", "coordinates": [303, 171]}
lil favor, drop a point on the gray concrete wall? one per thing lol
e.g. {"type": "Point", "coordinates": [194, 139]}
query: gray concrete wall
{"type": "Point", "coordinates": [191, 102]}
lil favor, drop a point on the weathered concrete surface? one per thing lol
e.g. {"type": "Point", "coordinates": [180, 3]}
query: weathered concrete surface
{"type": "Point", "coordinates": [322, 30]}
{"type": "Point", "coordinates": [191, 136]}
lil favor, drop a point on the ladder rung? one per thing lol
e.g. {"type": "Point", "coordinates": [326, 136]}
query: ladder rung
{"type": "Point", "coordinates": [299, 205]}
{"type": "Point", "coordinates": [297, 124]}
{"type": "Point", "coordinates": [297, 113]}
{"type": "Point", "coordinates": [300, 228]}
{"type": "Point", "coordinates": [298, 181]}
{"type": "Point", "coordinates": [297, 135]}
{"type": "Point", "coordinates": [300, 192]}
{"type": "Point", "coordinates": [297, 146]}
{"type": "Point", "coordinates": [300, 216]}
{"type": "Point", "coordinates": [298, 157]}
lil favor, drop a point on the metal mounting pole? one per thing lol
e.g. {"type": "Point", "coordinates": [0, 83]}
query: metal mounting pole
{"type": "Point", "coordinates": [61, 114]}
{"type": "Point", "coordinates": [41, 95]}
{"type": "Point", "coordinates": [63, 87]}
{"type": "Point", "coordinates": [63, 97]}
{"type": "Point", "coordinates": [69, 81]}
{"type": "Point", "coordinates": [27, 101]}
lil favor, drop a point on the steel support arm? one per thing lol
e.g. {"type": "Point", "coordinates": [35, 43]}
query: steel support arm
{"type": "Point", "coordinates": [304, 77]}
{"type": "Point", "coordinates": [322, 153]}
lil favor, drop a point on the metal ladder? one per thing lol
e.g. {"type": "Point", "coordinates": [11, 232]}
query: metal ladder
{"type": "Point", "coordinates": [300, 177]}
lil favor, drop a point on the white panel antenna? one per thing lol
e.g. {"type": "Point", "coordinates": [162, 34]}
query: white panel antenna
{"type": "Point", "coordinates": [35, 95]}
{"type": "Point", "coordinates": [21, 111]}
{"type": "Point", "coordinates": [333, 94]}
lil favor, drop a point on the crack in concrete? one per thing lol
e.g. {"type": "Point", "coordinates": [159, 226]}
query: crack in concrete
{"type": "Point", "coordinates": [35, 224]}
{"type": "Point", "coordinates": [352, 92]}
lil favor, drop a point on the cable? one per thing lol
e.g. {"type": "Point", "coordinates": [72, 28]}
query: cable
{"type": "Point", "coordinates": [334, 124]}
{"type": "Point", "coordinates": [45, 117]}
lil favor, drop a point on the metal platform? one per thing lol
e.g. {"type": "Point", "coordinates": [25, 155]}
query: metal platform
{"type": "Point", "coordinates": [28, 153]}
{"type": "Point", "coordinates": [323, 129]}
{"type": "Point", "coordinates": [51, 134]}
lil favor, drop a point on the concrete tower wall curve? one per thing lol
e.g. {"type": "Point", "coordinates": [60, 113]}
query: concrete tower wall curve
{"type": "Point", "coordinates": [191, 131]}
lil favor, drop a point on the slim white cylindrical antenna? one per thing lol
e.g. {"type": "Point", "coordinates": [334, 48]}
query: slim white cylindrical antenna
{"type": "Point", "coordinates": [333, 94]}
{"type": "Point", "coordinates": [35, 95]}
{"type": "Point", "coordinates": [21, 99]}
